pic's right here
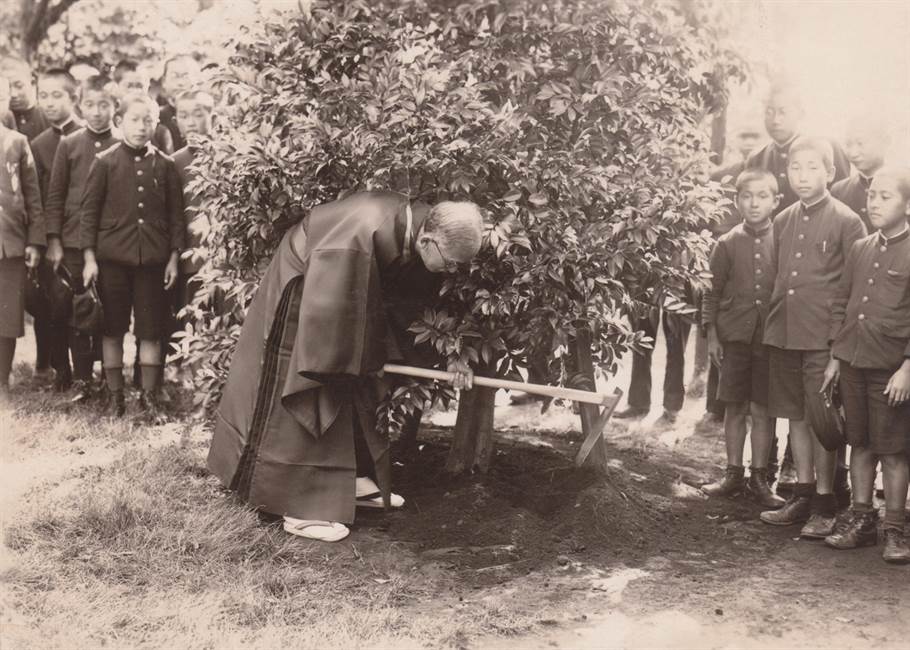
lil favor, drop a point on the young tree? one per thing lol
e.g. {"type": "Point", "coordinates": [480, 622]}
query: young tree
{"type": "Point", "coordinates": [576, 125]}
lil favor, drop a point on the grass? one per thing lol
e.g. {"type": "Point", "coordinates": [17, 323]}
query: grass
{"type": "Point", "coordinates": [131, 544]}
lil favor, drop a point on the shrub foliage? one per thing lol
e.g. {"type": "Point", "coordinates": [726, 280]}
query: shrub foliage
{"type": "Point", "coordinates": [578, 126]}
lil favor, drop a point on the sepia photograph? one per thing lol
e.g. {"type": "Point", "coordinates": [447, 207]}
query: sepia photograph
{"type": "Point", "coordinates": [457, 324]}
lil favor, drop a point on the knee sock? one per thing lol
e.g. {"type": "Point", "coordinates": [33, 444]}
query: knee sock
{"type": "Point", "coordinates": [114, 377]}
{"type": "Point", "coordinates": [804, 490]}
{"type": "Point", "coordinates": [862, 507]}
{"type": "Point", "coordinates": [895, 519]}
{"type": "Point", "coordinates": [148, 377]}
{"type": "Point", "coordinates": [7, 352]}
{"type": "Point", "coordinates": [824, 504]}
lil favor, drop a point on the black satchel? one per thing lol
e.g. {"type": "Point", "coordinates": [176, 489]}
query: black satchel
{"type": "Point", "coordinates": [88, 313]}
{"type": "Point", "coordinates": [826, 418]}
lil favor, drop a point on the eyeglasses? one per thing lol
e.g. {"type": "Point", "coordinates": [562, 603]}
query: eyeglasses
{"type": "Point", "coordinates": [451, 266]}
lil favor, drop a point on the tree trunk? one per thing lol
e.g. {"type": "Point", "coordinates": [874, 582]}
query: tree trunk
{"type": "Point", "coordinates": [719, 137]}
{"type": "Point", "coordinates": [590, 415]}
{"type": "Point", "coordinates": [472, 440]}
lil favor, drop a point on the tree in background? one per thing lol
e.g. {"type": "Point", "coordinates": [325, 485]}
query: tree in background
{"type": "Point", "coordinates": [575, 125]}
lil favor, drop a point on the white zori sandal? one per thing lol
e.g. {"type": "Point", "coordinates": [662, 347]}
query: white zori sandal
{"type": "Point", "coordinates": [324, 531]}
{"type": "Point", "coordinates": [367, 494]}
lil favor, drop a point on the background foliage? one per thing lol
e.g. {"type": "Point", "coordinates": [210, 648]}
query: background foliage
{"type": "Point", "coordinates": [577, 126]}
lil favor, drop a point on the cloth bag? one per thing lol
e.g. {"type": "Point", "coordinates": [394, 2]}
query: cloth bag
{"type": "Point", "coordinates": [88, 312]}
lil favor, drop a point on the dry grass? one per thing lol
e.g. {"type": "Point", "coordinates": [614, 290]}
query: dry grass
{"type": "Point", "coordinates": [131, 544]}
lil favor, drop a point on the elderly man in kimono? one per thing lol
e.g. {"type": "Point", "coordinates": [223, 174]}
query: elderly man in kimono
{"type": "Point", "coordinates": [295, 432]}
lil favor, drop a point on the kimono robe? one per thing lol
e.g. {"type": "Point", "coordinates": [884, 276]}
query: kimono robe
{"type": "Point", "coordinates": [302, 383]}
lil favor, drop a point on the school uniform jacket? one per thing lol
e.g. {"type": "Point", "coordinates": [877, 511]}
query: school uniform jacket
{"type": "Point", "coordinates": [31, 122]}
{"type": "Point", "coordinates": [132, 210]}
{"type": "Point", "coordinates": [870, 316]}
{"type": "Point", "coordinates": [44, 147]}
{"type": "Point", "coordinates": [737, 302]}
{"type": "Point", "coordinates": [810, 249]}
{"type": "Point", "coordinates": [775, 158]}
{"type": "Point", "coordinates": [74, 157]}
{"type": "Point", "coordinates": [168, 118]}
{"type": "Point", "coordinates": [727, 175]}
{"type": "Point", "coordinates": [21, 216]}
{"type": "Point", "coordinates": [852, 191]}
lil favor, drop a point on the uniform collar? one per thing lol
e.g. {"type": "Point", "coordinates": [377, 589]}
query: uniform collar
{"type": "Point", "coordinates": [62, 128]}
{"type": "Point", "coordinates": [143, 151]}
{"type": "Point", "coordinates": [98, 135]}
{"type": "Point", "coordinates": [757, 232]}
{"type": "Point", "coordinates": [785, 147]}
{"type": "Point", "coordinates": [899, 237]}
{"type": "Point", "coordinates": [815, 207]}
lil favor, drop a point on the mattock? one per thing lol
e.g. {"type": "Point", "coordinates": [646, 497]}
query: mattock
{"type": "Point", "coordinates": [596, 408]}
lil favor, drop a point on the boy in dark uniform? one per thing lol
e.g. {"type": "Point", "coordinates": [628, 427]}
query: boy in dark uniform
{"type": "Point", "coordinates": [733, 312]}
{"type": "Point", "coordinates": [783, 114]}
{"type": "Point", "coordinates": [74, 157]}
{"type": "Point", "coordinates": [56, 97]}
{"type": "Point", "coordinates": [867, 142]}
{"type": "Point", "coordinates": [870, 328]}
{"type": "Point", "coordinates": [811, 241]}
{"type": "Point", "coordinates": [21, 237]}
{"type": "Point", "coordinates": [131, 233]}
{"type": "Point", "coordinates": [131, 78]}
{"type": "Point", "coordinates": [30, 119]}
{"type": "Point", "coordinates": [181, 73]}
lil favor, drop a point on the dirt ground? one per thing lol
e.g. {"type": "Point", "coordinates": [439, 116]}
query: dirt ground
{"type": "Point", "coordinates": [635, 558]}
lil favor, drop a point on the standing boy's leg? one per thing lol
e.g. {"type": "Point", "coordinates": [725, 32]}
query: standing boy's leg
{"type": "Point", "coordinates": [7, 352]}
{"type": "Point", "coordinates": [153, 314]}
{"type": "Point", "coordinates": [824, 462]}
{"type": "Point", "coordinates": [640, 383]}
{"type": "Point", "coordinates": [12, 313]}
{"type": "Point", "coordinates": [895, 475]}
{"type": "Point", "coordinates": [676, 333]}
{"type": "Point", "coordinates": [735, 439]}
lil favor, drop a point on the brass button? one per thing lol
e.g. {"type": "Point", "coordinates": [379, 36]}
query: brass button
{"type": "Point", "coordinates": [800, 236]}
{"type": "Point", "coordinates": [758, 256]}
{"type": "Point", "coordinates": [794, 273]}
{"type": "Point", "coordinates": [141, 221]}
{"type": "Point", "coordinates": [865, 298]}
{"type": "Point", "coordinates": [97, 144]}
{"type": "Point", "coordinates": [757, 287]}
{"type": "Point", "coordinates": [757, 240]}
{"type": "Point", "coordinates": [757, 271]}
{"type": "Point", "coordinates": [141, 189]}
{"type": "Point", "coordinates": [141, 204]}
{"type": "Point", "coordinates": [805, 217]}
{"type": "Point", "coordinates": [862, 317]}
{"type": "Point", "coordinates": [138, 172]}
{"type": "Point", "coordinates": [790, 292]}
{"type": "Point", "coordinates": [798, 255]}
{"type": "Point", "coordinates": [875, 265]}
{"type": "Point", "coordinates": [758, 302]}
{"type": "Point", "coordinates": [137, 158]}
{"type": "Point", "coordinates": [871, 281]}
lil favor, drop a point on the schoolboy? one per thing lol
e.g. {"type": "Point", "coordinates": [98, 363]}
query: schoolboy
{"type": "Point", "coordinates": [132, 232]}
{"type": "Point", "coordinates": [783, 115]}
{"type": "Point", "coordinates": [870, 329]}
{"type": "Point", "coordinates": [181, 73]}
{"type": "Point", "coordinates": [30, 119]}
{"type": "Point", "coordinates": [57, 94]}
{"type": "Point", "coordinates": [811, 241]}
{"type": "Point", "coordinates": [194, 117]}
{"type": "Point", "coordinates": [21, 236]}
{"type": "Point", "coordinates": [74, 157]}
{"type": "Point", "coordinates": [56, 97]}
{"type": "Point", "coordinates": [131, 78]}
{"type": "Point", "coordinates": [733, 313]}
{"type": "Point", "coordinates": [867, 142]}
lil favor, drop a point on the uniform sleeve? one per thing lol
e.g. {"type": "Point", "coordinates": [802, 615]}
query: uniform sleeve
{"type": "Point", "coordinates": [92, 203]}
{"type": "Point", "coordinates": [31, 193]}
{"type": "Point", "coordinates": [174, 206]}
{"type": "Point", "coordinates": [56, 191]}
{"type": "Point", "coordinates": [720, 269]}
{"type": "Point", "coordinates": [842, 295]}
{"type": "Point", "coordinates": [853, 231]}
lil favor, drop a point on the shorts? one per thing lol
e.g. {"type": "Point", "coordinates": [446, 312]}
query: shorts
{"type": "Point", "coordinates": [12, 297]}
{"type": "Point", "coordinates": [871, 423]}
{"type": "Point", "coordinates": [793, 374]}
{"type": "Point", "coordinates": [133, 289]}
{"type": "Point", "coordinates": [744, 372]}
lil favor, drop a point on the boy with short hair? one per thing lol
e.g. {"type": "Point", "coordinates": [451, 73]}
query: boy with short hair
{"type": "Point", "coordinates": [21, 236]}
{"type": "Point", "coordinates": [181, 73]}
{"type": "Point", "coordinates": [131, 78]}
{"type": "Point", "coordinates": [870, 330]}
{"type": "Point", "coordinates": [733, 312]}
{"type": "Point", "coordinates": [132, 232]}
{"type": "Point", "coordinates": [867, 142]}
{"type": "Point", "coordinates": [73, 160]}
{"type": "Point", "coordinates": [194, 117]}
{"type": "Point", "coordinates": [30, 119]}
{"type": "Point", "coordinates": [783, 115]}
{"type": "Point", "coordinates": [811, 241]}
{"type": "Point", "coordinates": [57, 94]}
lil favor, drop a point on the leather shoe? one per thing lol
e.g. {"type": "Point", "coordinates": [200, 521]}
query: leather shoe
{"type": "Point", "coordinates": [896, 549]}
{"type": "Point", "coordinates": [730, 485]}
{"type": "Point", "coordinates": [794, 511]}
{"type": "Point", "coordinates": [760, 489]}
{"type": "Point", "coordinates": [819, 526]}
{"type": "Point", "coordinates": [630, 413]}
{"type": "Point", "coordinates": [854, 530]}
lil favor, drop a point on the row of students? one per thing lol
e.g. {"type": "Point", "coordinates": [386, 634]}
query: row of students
{"type": "Point", "coordinates": [109, 208]}
{"type": "Point", "coordinates": [799, 301]}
